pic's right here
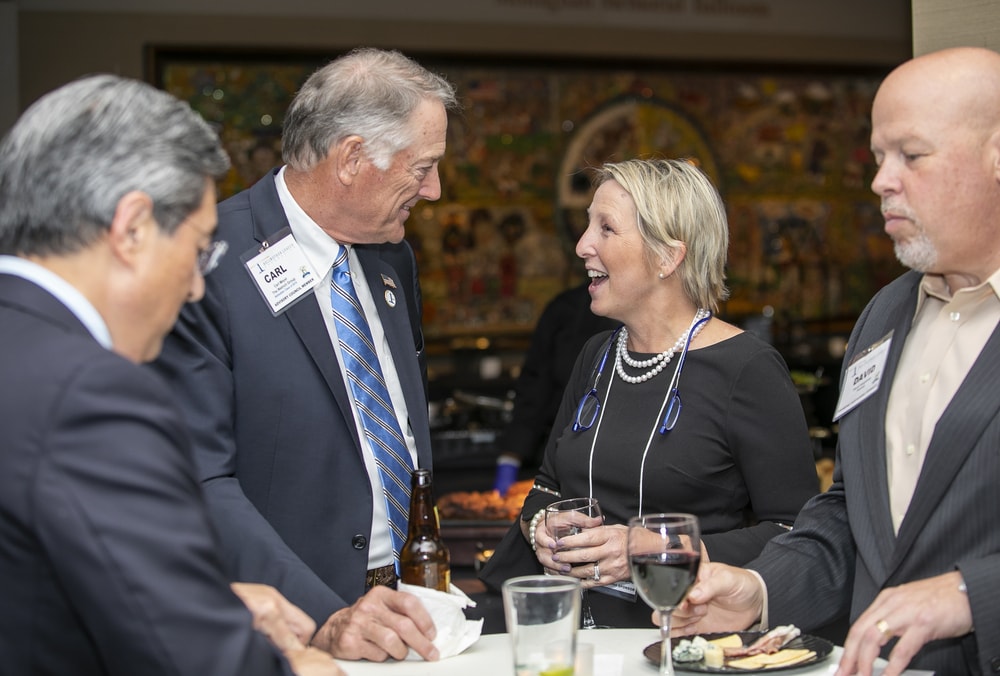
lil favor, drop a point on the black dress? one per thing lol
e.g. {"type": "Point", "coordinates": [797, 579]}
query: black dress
{"type": "Point", "coordinates": [739, 455]}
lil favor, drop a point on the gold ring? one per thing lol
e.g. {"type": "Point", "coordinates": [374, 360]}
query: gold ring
{"type": "Point", "coordinates": [883, 628]}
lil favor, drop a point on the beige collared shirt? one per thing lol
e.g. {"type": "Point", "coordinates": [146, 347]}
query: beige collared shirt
{"type": "Point", "coordinates": [948, 333]}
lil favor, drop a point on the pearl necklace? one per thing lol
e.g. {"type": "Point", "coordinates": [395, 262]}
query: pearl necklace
{"type": "Point", "coordinates": [659, 361]}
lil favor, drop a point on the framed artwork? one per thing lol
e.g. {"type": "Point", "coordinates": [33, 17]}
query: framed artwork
{"type": "Point", "coordinates": [787, 147]}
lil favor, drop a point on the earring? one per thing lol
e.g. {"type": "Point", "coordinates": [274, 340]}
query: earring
{"type": "Point", "coordinates": [662, 276]}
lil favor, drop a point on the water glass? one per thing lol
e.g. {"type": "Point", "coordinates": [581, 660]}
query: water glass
{"type": "Point", "coordinates": [542, 614]}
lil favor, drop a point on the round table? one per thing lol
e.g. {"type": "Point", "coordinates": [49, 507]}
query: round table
{"type": "Point", "coordinates": [617, 652]}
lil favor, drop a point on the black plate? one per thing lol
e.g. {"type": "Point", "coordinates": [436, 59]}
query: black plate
{"type": "Point", "coordinates": [818, 645]}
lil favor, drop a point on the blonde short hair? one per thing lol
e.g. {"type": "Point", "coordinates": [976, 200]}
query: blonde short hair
{"type": "Point", "coordinates": [676, 203]}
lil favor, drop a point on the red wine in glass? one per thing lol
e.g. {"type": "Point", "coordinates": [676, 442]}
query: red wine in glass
{"type": "Point", "coordinates": [664, 551]}
{"type": "Point", "coordinates": [663, 579]}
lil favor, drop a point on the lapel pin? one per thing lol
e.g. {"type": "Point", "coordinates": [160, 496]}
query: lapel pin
{"type": "Point", "coordinates": [388, 281]}
{"type": "Point", "coordinates": [390, 298]}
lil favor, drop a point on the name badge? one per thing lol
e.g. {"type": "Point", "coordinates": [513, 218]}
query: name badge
{"type": "Point", "coordinates": [281, 271]}
{"type": "Point", "coordinates": [619, 590]}
{"type": "Point", "coordinates": [863, 376]}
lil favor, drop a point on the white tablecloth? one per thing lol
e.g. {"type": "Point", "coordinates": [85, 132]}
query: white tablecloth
{"type": "Point", "coordinates": [617, 652]}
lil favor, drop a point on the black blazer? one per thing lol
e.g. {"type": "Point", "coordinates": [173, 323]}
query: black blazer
{"type": "Point", "coordinates": [843, 550]}
{"type": "Point", "coordinates": [109, 564]}
{"type": "Point", "coordinates": [276, 445]}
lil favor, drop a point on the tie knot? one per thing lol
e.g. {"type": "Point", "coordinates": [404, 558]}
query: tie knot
{"type": "Point", "coordinates": [340, 264]}
{"type": "Point", "coordinates": [342, 269]}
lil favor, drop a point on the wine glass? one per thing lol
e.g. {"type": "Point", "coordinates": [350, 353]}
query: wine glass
{"type": "Point", "coordinates": [664, 551]}
{"type": "Point", "coordinates": [569, 517]}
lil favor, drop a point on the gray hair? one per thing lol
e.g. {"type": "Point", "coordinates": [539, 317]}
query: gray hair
{"type": "Point", "coordinates": [676, 203]}
{"type": "Point", "coordinates": [75, 152]}
{"type": "Point", "coordinates": [368, 92]}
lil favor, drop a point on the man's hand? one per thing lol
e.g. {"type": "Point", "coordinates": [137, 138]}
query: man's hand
{"type": "Point", "coordinates": [723, 599]}
{"type": "Point", "coordinates": [286, 625]}
{"type": "Point", "coordinates": [381, 624]}
{"type": "Point", "coordinates": [917, 612]}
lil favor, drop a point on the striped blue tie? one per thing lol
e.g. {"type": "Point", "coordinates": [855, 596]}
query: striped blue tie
{"type": "Point", "coordinates": [372, 400]}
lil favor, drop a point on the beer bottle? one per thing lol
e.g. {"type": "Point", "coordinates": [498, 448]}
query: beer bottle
{"type": "Point", "coordinates": [424, 560]}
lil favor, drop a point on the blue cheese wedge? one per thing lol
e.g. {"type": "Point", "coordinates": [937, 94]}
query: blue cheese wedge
{"type": "Point", "coordinates": [686, 652]}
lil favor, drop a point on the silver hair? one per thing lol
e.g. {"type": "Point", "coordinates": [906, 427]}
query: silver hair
{"type": "Point", "coordinates": [368, 92]}
{"type": "Point", "coordinates": [76, 151]}
{"type": "Point", "coordinates": [676, 203]}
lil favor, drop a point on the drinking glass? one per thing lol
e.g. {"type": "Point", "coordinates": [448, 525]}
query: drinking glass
{"type": "Point", "coordinates": [542, 614]}
{"type": "Point", "coordinates": [664, 551]}
{"type": "Point", "coordinates": [569, 517]}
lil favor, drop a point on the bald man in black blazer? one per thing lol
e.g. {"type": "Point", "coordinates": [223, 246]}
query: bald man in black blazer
{"type": "Point", "coordinates": [906, 539]}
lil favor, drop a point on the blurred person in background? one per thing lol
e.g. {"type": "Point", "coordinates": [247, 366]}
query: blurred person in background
{"type": "Point", "coordinates": [565, 325]}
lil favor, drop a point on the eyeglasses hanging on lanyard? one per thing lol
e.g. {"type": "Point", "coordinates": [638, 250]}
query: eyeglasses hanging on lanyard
{"type": "Point", "coordinates": [674, 406]}
{"type": "Point", "coordinates": [590, 405]}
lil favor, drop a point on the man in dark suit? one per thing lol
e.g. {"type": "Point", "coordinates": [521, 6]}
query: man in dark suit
{"type": "Point", "coordinates": [297, 496]}
{"type": "Point", "coordinates": [906, 538]}
{"type": "Point", "coordinates": [109, 564]}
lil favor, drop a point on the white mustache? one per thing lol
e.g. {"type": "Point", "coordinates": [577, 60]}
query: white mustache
{"type": "Point", "coordinates": [889, 208]}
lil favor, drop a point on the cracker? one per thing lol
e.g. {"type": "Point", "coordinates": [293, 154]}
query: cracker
{"type": "Point", "coordinates": [782, 658]}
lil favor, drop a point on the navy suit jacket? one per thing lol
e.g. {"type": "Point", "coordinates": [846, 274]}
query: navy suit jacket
{"type": "Point", "coordinates": [275, 441]}
{"type": "Point", "coordinates": [108, 562]}
{"type": "Point", "coordinates": [843, 551]}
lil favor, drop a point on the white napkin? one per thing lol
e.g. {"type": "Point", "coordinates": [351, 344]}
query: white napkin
{"type": "Point", "coordinates": [454, 632]}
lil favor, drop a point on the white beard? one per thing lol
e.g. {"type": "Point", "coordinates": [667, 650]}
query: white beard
{"type": "Point", "coordinates": [917, 253]}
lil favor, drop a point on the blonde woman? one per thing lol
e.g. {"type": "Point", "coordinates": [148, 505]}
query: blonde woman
{"type": "Point", "coordinates": [674, 411]}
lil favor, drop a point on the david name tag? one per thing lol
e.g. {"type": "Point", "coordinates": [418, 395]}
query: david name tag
{"type": "Point", "coordinates": [863, 376]}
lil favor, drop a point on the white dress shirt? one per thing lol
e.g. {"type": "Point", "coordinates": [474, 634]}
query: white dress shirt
{"type": "Point", "coordinates": [321, 250]}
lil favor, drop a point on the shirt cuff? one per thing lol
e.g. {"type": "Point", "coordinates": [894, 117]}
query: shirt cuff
{"type": "Point", "coordinates": [763, 621]}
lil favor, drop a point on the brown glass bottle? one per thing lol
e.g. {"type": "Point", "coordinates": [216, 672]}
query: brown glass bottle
{"type": "Point", "coordinates": [424, 560]}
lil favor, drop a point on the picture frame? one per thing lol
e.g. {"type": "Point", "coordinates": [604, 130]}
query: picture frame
{"type": "Point", "coordinates": [787, 147]}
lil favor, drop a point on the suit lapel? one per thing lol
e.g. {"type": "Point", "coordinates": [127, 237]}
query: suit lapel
{"type": "Point", "coordinates": [308, 323]}
{"type": "Point", "coordinates": [383, 280]}
{"type": "Point", "coordinates": [871, 424]}
{"type": "Point", "coordinates": [955, 436]}
{"type": "Point", "coordinates": [304, 316]}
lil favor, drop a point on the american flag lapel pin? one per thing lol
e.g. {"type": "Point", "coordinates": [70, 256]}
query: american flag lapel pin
{"type": "Point", "coordinates": [390, 297]}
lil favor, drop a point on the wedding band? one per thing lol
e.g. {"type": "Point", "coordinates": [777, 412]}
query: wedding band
{"type": "Point", "coordinates": [597, 572]}
{"type": "Point", "coordinates": [883, 628]}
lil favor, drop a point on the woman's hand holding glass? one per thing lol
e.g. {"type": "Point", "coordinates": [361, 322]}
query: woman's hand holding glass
{"type": "Point", "coordinates": [569, 535]}
{"type": "Point", "coordinates": [566, 521]}
{"type": "Point", "coordinates": [576, 555]}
